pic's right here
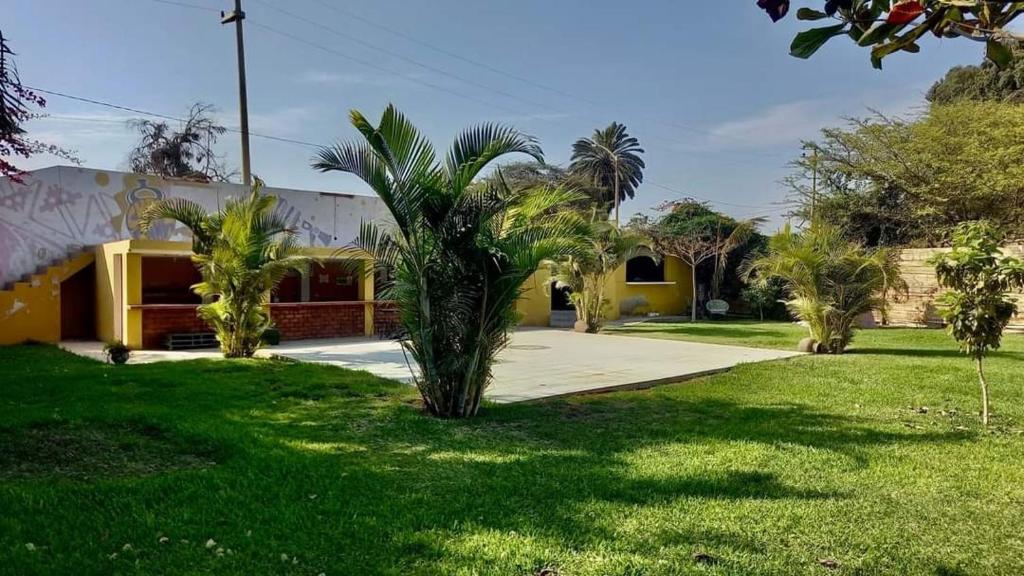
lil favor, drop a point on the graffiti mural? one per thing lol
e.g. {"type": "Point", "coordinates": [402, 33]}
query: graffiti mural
{"type": "Point", "coordinates": [59, 210]}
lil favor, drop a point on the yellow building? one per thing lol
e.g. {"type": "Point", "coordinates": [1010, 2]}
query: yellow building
{"type": "Point", "coordinates": [73, 266]}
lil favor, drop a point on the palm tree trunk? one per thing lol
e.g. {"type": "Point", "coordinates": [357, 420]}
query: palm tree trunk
{"type": "Point", "coordinates": [616, 194]}
{"type": "Point", "coordinates": [984, 392]}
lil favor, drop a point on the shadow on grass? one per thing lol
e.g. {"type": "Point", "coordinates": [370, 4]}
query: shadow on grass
{"type": "Point", "coordinates": [928, 353]}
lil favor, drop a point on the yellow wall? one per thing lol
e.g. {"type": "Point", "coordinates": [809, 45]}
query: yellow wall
{"type": "Point", "coordinates": [31, 310]}
{"type": "Point", "coordinates": [665, 298]}
{"type": "Point", "coordinates": [534, 306]}
{"type": "Point", "coordinates": [669, 298]}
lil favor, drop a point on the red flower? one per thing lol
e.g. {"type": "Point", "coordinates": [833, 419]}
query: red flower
{"type": "Point", "coordinates": [905, 12]}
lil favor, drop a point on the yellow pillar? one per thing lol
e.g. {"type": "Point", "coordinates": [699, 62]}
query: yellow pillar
{"type": "Point", "coordinates": [366, 294]}
{"type": "Point", "coordinates": [132, 275]}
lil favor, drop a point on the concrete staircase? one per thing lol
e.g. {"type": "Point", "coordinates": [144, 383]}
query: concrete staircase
{"type": "Point", "coordinates": [30, 307]}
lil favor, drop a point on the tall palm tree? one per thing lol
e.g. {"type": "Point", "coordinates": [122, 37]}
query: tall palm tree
{"type": "Point", "coordinates": [605, 248]}
{"type": "Point", "coordinates": [242, 252]}
{"type": "Point", "coordinates": [460, 250]}
{"type": "Point", "coordinates": [610, 159]}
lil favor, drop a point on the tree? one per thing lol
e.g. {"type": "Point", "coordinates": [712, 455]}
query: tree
{"type": "Point", "coordinates": [888, 26]}
{"type": "Point", "coordinates": [892, 181]}
{"type": "Point", "coordinates": [609, 160]}
{"type": "Point", "coordinates": [983, 83]}
{"type": "Point", "coordinates": [243, 252]}
{"type": "Point", "coordinates": [460, 252]}
{"type": "Point", "coordinates": [16, 103]}
{"type": "Point", "coordinates": [693, 233]}
{"type": "Point", "coordinates": [761, 296]}
{"type": "Point", "coordinates": [187, 152]}
{"type": "Point", "coordinates": [605, 248]}
{"type": "Point", "coordinates": [977, 306]}
{"type": "Point", "coordinates": [829, 281]}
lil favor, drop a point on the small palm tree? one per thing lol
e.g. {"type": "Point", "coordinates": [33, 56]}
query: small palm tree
{"type": "Point", "coordinates": [829, 281]}
{"type": "Point", "coordinates": [242, 252]}
{"type": "Point", "coordinates": [604, 249]}
{"type": "Point", "coordinates": [610, 160]}
{"type": "Point", "coordinates": [460, 250]}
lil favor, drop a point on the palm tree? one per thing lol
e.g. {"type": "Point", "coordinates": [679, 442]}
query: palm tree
{"type": "Point", "coordinates": [460, 250]}
{"type": "Point", "coordinates": [610, 159]}
{"type": "Point", "coordinates": [585, 274]}
{"type": "Point", "coordinates": [242, 252]}
{"type": "Point", "coordinates": [829, 281]}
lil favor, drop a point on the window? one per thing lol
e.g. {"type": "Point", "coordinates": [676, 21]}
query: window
{"type": "Point", "coordinates": [644, 269]}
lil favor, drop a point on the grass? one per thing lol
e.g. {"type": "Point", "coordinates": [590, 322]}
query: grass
{"type": "Point", "coordinates": [263, 467]}
{"type": "Point", "coordinates": [782, 335]}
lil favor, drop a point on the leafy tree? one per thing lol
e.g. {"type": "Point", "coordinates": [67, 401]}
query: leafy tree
{"type": "Point", "coordinates": [982, 83]}
{"type": "Point", "coordinates": [460, 252]}
{"type": "Point", "coordinates": [242, 251]}
{"type": "Point", "coordinates": [610, 161]}
{"type": "Point", "coordinates": [16, 104]}
{"type": "Point", "coordinates": [896, 182]}
{"type": "Point", "coordinates": [605, 248]}
{"type": "Point", "coordinates": [187, 152]}
{"type": "Point", "coordinates": [692, 232]}
{"type": "Point", "coordinates": [829, 281]}
{"type": "Point", "coordinates": [762, 296]}
{"type": "Point", "coordinates": [888, 26]}
{"type": "Point", "coordinates": [977, 306]}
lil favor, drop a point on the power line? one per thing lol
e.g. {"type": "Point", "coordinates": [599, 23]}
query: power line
{"type": "Point", "coordinates": [311, 145]}
{"type": "Point", "coordinates": [402, 57]}
{"type": "Point", "coordinates": [156, 115]}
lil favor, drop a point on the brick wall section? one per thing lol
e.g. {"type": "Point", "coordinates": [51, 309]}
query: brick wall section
{"type": "Point", "coordinates": [919, 308]}
{"type": "Point", "coordinates": [157, 322]}
{"type": "Point", "coordinates": [299, 321]}
{"type": "Point", "coordinates": [385, 319]}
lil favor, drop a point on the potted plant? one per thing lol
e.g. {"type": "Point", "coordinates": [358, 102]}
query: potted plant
{"type": "Point", "coordinates": [117, 352]}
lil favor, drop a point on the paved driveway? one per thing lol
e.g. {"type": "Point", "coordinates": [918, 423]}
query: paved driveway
{"type": "Point", "coordinates": [542, 363]}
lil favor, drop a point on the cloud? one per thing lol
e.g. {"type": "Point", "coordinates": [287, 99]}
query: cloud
{"type": "Point", "coordinates": [789, 123]}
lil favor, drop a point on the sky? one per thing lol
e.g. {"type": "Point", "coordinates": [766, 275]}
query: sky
{"type": "Point", "coordinates": [708, 87]}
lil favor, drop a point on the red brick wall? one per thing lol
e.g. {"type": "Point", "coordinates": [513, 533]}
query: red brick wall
{"type": "Point", "coordinates": [157, 322]}
{"type": "Point", "coordinates": [318, 320]}
{"type": "Point", "coordinates": [385, 319]}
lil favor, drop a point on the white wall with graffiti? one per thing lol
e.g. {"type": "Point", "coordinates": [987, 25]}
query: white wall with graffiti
{"type": "Point", "coordinates": [58, 210]}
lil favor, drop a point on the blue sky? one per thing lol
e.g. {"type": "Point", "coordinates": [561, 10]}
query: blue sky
{"type": "Point", "coordinates": [707, 87]}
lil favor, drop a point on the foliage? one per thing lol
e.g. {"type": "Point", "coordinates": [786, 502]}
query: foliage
{"type": "Point", "coordinates": [605, 248]}
{"type": "Point", "coordinates": [610, 162]}
{"type": "Point", "coordinates": [982, 83]}
{"type": "Point", "coordinates": [763, 297]}
{"type": "Point", "coordinates": [242, 251]}
{"type": "Point", "coordinates": [784, 465]}
{"type": "Point", "coordinates": [460, 252]}
{"type": "Point", "coordinates": [888, 26]}
{"type": "Point", "coordinates": [897, 182]}
{"type": "Point", "coordinates": [16, 103]}
{"type": "Point", "coordinates": [694, 233]}
{"type": "Point", "coordinates": [829, 281]}
{"type": "Point", "coordinates": [977, 306]}
{"type": "Point", "coordinates": [187, 152]}
{"type": "Point", "coordinates": [117, 352]}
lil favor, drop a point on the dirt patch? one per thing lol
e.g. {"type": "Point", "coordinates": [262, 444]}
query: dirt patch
{"type": "Point", "coordinates": [86, 451]}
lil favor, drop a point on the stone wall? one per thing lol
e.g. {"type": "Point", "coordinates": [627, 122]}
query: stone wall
{"type": "Point", "coordinates": [919, 307]}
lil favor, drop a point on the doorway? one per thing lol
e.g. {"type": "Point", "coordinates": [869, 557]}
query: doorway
{"type": "Point", "coordinates": [77, 305]}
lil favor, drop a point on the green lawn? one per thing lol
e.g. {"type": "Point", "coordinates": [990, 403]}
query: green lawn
{"type": "Point", "coordinates": [259, 467]}
{"type": "Point", "coordinates": [782, 335]}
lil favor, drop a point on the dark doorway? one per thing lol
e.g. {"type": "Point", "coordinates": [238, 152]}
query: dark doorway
{"type": "Point", "coordinates": [77, 305]}
{"type": "Point", "coordinates": [560, 298]}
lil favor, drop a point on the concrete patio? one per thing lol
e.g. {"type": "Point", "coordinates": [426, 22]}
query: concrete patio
{"type": "Point", "coordinates": [538, 363]}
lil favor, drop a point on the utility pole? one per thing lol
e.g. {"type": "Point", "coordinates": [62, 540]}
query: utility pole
{"type": "Point", "coordinates": [236, 16]}
{"type": "Point", "coordinates": [814, 180]}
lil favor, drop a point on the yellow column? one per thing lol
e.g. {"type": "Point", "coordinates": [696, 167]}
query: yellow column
{"type": "Point", "coordinates": [366, 294]}
{"type": "Point", "coordinates": [132, 275]}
